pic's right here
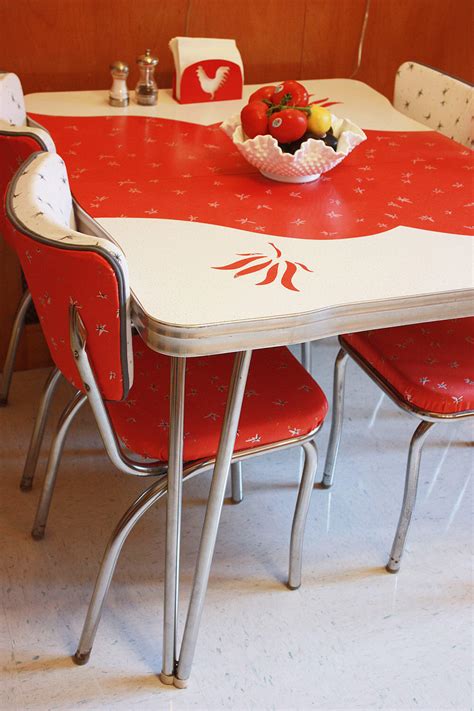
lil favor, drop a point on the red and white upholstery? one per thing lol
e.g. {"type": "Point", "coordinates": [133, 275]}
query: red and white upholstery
{"type": "Point", "coordinates": [12, 102]}
{"type": "Point", "coordinates": [17, 142]}
{"type": "Point", "coordinates": [64, 267]}
{"type": "Point", "coordinates": [438, 100]}
{"type": "Point", "coordinates": [430, 366]}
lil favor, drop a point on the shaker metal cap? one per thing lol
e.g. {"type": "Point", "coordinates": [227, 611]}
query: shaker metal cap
{"type": "Point", "coordinates": [119, 66]}
{"type": "Point", "coordinates": [147, 59]}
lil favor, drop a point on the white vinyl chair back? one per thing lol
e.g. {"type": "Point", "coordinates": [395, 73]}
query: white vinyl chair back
{"type": "Point", "coordinates": [12, 101]}
{"type": "Point", "coordinates": [438, 100]}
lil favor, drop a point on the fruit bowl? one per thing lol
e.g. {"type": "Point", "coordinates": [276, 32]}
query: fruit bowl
{"type": "Point", "coordinates": [309, 162]}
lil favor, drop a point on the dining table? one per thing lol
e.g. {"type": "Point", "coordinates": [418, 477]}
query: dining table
{"type": "Point", "coordinates": [223, 259]}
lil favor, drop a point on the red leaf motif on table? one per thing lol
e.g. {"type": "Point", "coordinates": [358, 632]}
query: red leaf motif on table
{"type": "Point", "coordinates": [272, 262]}
{"type": "Point", "coordinates": [287, 277]}
{"type": "Point", "coordinates": [237, 265]}
{"type": "Point", "coordinates": [253, 268]}
{"type": "Point", "coordinates": [324, 102]}
{"type": "Point", "coordinates": [271, 276]}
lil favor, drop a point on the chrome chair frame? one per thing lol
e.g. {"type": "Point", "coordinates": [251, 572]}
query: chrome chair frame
{"type": "Point", "coordinates": [153, 493]}
{"type": "Point", "coordinates": [237, 490]}
{"type": "Point", "coordinates": [428, 420]}
{"type": "Point", "coordinates": [17, 330]}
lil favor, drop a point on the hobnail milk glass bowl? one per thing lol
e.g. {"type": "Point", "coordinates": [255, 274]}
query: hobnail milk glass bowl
{"type": "Point", "coordinates": [308, 163]}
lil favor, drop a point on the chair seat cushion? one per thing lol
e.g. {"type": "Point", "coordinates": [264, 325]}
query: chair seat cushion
{"type": "Point", "coordinates": [282, 401]}
{"type": "Point", "coordinates": [429, 365]}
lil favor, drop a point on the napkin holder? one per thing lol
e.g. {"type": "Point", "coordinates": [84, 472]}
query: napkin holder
{"type": "Point", "coordinates": [206, 70]}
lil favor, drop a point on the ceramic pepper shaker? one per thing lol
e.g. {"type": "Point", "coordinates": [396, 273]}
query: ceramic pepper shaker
{"type": "Point", "coordinates": [146, 91]}
{"type": "Point", "coordinates": [118, 95]}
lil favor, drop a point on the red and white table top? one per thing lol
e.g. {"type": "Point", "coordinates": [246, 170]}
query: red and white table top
{"type": "Point", "coordinates": [222, 258]}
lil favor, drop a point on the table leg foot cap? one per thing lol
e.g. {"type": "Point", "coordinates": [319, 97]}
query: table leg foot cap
{"type": "Point", "coordinates": [391, 570]}
{"type": "Point", "coordinates": [180, 683]}
{"type": "Point", "coordinates": [167, 679]}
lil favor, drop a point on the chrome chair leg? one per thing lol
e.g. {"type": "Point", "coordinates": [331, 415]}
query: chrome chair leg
{"type": "Point", "coordinates": [57, 445]}
{"type": "Point", "coordinates": [213, 512]}
{"type": "Point", "coordinates": [38, 430]}
{"type": "Point", "coordinates": [306, 359]}
{"type": "Point", "coordinates": [409, 496]}
{"type": "Point", "coordinates": [134, 513]}
{"type": "Point", "coordinates": [336, 420]}
{"type": "Point", "coordinates": [16, 332]}
{"type": "Point", "coordinates": [236, 482]}
{"type": "Point", "coordinates": [301, 514]}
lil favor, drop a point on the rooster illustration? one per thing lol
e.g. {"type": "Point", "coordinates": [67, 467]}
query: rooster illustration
{"type": "Point", "coordinates": [208, 85]}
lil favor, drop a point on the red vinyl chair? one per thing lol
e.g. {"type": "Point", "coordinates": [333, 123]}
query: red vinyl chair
{"type": "Point", "coordinates": [13, 124]}
{"type": "Point", "coordinates": [80, 288]}
{"type": "Point", "coordinates": [425, 369]}
{"type": "Point", "coordinates": [17, 143]}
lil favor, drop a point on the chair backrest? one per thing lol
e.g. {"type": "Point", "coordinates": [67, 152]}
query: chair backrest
{"type": "Point", "coordinates": [17, 143]}
{"type": "Point", "coordinates": [12, 101]}
{"type": "Point", "coordinates": [438, 100]}
{"type": "Point", "coordinates": [63, 266]}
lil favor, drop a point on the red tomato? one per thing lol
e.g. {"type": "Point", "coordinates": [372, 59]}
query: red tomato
{"type": "Point", "coordinates": [265, 92]}
{"type": "Point", "coordinates": [297, 93]}
{"type": "Point", "coordinates": [254, 118]}
{"type": "Point", "coordinates": [287, 125]}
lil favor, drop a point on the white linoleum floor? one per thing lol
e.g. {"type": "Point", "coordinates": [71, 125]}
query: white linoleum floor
{"type": "Point", "coordinates": [352, 637]}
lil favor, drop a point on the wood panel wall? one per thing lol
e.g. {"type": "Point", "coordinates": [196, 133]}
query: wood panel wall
{"type": "Point", "coordinates": [56, 45]}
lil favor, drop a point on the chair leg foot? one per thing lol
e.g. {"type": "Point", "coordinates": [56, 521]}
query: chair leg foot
{"type": "Point", "coordinates": [337, 418]}
{"type": "Point", "coordinates": [36, 440]}
{"type": "Point", "coordinates": [81, 659]}
{"type": "Point", "coordinates": [409, 496]}
{"type": "Point", "coordinates": [57, 445]}
{"type": "Point", "coordinates": [236, 482]}
{"type": "Point", "coordinates": [301, 513]}
{"type": "Point", "coordinates": [38, 533]}
{"type": "Point", "coordinates": [180, 683]}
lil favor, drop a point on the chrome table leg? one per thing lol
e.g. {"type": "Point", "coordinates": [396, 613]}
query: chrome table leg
{"type": "Point", "coordinates": [236, 482]}
{"type": "Point", "coordinates": [17, 330]}
{"type": "Point", "coordinates": [213, 512]}
{"type": "Point", "coordinates": [336, 420]}
{"type": "Point", "coordinates": [301, 514]}
{"type": "Point", "coordinates": [38, 430]}
{"type": "Point", "coordinates": [173, 519]}
{"type": "Point", "coordinates": [57, 445]}
{"type": "Point", "coordinates": [409, 496]}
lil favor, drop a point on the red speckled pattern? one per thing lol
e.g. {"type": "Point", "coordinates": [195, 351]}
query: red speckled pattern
{"type": "Point", "coordinates": [150, 167]}
{"type": "Point", "coordinates": [430, 365]}
{"type": "Point", "coordinates": [281, 401]}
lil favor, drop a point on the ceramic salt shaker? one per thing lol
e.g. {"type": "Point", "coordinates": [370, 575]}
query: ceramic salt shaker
{"type": "Point", "coordinates": [146, 91]}
{"type": "Point", "coordinates": [118, 95]}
